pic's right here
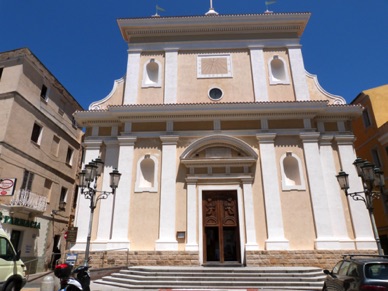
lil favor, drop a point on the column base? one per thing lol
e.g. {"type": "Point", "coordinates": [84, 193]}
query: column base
{"type": "Point", "coordinates": [192, 247]}
{"type": "Point", "coordinates": [366, 244]}
{"type": "Point", "coordinates": [166, 245]}
{"type": "Point", "coordinates": [277, 245]}
{"type": "Point", "coordinates": [118, 245]}
{"type": "Point", "coordinates": [251, 247]}
{"type": "Point", "coordinates": [79, 247]}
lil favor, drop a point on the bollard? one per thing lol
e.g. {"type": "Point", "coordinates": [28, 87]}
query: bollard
{"type": "Point", "coordinates": [47, 283]}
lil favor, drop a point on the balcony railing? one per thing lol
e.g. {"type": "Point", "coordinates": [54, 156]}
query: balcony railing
{"type": "Point", "coordinates": [30, 201]}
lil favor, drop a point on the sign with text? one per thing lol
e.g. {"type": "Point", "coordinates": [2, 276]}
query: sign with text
{"type": "Point", "coordinates": [72, 234]}
{"type": "Point", "coordinates": [7, 186]}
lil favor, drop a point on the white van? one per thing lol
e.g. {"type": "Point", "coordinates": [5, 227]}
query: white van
{"type": "Point", "coordinates": [12, 269]}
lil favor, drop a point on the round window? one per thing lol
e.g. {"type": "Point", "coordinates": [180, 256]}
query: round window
{"type": "Point", "coordinates": [215, 94]}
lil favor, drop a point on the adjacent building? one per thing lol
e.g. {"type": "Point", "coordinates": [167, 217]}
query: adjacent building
{"type": "Point", "coordinates": [371, 130]}
{"type": "Point", "coordinates": [228, 148]}
{"type": "Point", "coordinates": [40, 153]}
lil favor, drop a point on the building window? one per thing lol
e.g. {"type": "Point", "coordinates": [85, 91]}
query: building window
{"type": "Point", "coordinates": [214, 66]}
{"type": "Point", "coordinates": [292, 177]}
{"type": "Point", "coordinates": [69, 156]}
{"type": "Point", "coordinates": [278, 72]}
{"type": "Point", "coordinates": [376, 157]}
{"type": "Point", "coordinates": [36, 133]}
{"type": "Point", "coordinates": [62, 198]}
{"type": "Point", "coordinates": [47, 188]}
{"type": "Point", "coordinates": [55, 145]}
{"type": "Point", "coordinates": [28, 177]}
{"type": "Point", "coordinates": [152, 74]}
{"type": "Point", "coordinates": [146, 179]}
{"type": "Point", "coordinates": [44, 92]}
{"type": "Point", "coordinates": [215, 94]}
{"type": "Point", "coordinates": [366, 118]}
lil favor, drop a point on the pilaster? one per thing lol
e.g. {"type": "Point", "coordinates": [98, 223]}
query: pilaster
{"type": "Point", "coordinates": [258, 74]}
{"type": "Point", "coordinates": [192, 217]}
{"type": "Point", "coordinates": [298, 73]}
{"type": "Point", "coordinates": [171, 76]}
{"type": "Point", "coordinates": [251, 243]}
{"type": "Point", "coordinates": [120, 223]}
{"type": "Point", "coordinates": [274, 215]}
{"type": "Point", "coordinates": [132, 78]}
{"type": "Point", "coordinates": [167, 232]}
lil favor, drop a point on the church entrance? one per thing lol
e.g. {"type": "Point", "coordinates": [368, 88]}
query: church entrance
{"type": "Point", "coordinates": [221, 239]}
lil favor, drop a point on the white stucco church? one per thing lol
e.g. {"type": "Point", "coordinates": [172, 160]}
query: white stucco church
{"type": "Point", "coordinates": [228, 148]}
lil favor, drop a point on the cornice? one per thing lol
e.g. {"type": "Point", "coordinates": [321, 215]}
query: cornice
{"type": "Point", "coordinates": [294, 23]}
{"type": "Point", "coordinates": [223, 111]}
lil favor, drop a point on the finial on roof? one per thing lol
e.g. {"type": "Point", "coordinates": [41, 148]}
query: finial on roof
{"type": "Point", "coordinates": [267, 3]}
{"type": "Point", "coordinates": [211, 10]}
{"type": "Point", "coordinates": [158, 8]}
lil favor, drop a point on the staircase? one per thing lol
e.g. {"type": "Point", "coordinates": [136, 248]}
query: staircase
{"type": "Point", "coordinates": [291, 278]}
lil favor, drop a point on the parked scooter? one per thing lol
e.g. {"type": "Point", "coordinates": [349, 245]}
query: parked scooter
{"type": "Point", "coordinates": [68, 283]}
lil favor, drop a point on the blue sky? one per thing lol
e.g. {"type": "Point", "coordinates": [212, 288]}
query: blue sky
{"type": "Point", "coordinates": [345, 43]}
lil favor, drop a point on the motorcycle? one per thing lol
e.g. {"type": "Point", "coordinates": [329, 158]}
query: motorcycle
{"type": "Point", "coordinates": [68, 283]}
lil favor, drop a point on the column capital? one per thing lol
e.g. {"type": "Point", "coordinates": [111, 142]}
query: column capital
{"type": "Point", "coordinates": [344, 139]}
{"type": "Point", "coordinates": [169, 139]}
{"type": "Point", "coordinates": [326, 139]}
{"type": "Point", "coordinates": [247, 180]}
{"type": "Point", "coordinates": [266, 137]}
{"type": "Point", "coordinates": [192, 180]}
{"type": "Point", "coordinates": [91, 144]}
{"type": "Point", "coordinates": [309, 136]}
{"type": "Point", "coordinates": [111, 141]}
{"type": "Point", "coordinates": [126, 140]}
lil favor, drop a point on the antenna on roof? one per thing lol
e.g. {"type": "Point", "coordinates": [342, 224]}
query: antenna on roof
{"type": "Point", "coordinates": [267, 3]}
{"type": "Point", "coordinates": [211, 10]}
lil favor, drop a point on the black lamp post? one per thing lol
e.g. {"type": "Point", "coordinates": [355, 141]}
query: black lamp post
{"type": "Point", "coordinates": [89, 175]}
{"type": "Point", "coordinates": [372, 179]}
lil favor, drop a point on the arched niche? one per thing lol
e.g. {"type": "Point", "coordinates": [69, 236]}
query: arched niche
{"type": "Point", "coordinates": [152, 74]}
{"type": "Point", "coordinates": [146, 174]}
{"type": "Point", "coordinates": [278, 71]}
{"type": "Point", "coordinates": [292, 177]}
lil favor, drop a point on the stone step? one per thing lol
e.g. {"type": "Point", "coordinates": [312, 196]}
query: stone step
{"type": "Point", "coordinates": [205, 277]}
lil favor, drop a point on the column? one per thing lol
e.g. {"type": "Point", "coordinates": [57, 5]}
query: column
{"type": "Point", "coordinates": [192, 217]}
{"type": "Point", "coordinates": [259, 74]}
{"type": "Point", "coordinates": [167, 233]}
{"type": "Point", "coordinates": [360, 217]}
{"type": "Point", "coordinates": [106, 205]}
{"type": "Point", "coordinates": [298, 73]}
{"type": "Point", "coordinates": [334, 194]}
{"type": "Point", "coordinates": [171, 76]}
{"type": "Point", "coordinates": [251, 243]}
{"type": "Point", "coordinates": [82, 215]}
{"type": "Point", "coordinates": [323, 224]}
{"type": "Point", "coordinates": [132, 78]}
{"type": "Point", "coordinates": [274, 216]}
{"type": "Point", "coordinates": [121, 212]}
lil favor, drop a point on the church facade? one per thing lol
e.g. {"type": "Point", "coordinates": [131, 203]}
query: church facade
{"type": "Point", "coordinates": [228, 148]}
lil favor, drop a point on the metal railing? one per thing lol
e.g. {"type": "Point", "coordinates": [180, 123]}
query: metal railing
{"type": "Point", "coordinates": [31, 200]}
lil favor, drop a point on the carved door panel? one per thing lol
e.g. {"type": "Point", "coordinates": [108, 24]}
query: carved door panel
{"type": "Point", "coordinates": [220, 225]}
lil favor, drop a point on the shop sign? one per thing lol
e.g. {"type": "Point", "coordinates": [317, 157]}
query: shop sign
{"type": "Point", "coordinates": [7, 186]}
{"type": "Point", "coordinates": [19, 221]}
{"type": "Point", "coordinates": [72, 234]}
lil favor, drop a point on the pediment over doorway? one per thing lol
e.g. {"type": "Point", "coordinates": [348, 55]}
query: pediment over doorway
{"type": "Point", "coordinates": [219, 156]}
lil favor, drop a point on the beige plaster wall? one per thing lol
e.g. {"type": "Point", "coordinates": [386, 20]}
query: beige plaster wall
{"type": "Point", "coordinates": [144, 212]}
{"type": "Point", "coordinates": [296, 205]}
{"type": "Point", "coordinates": [279, 92]}
{"type": "Point", "coordinates": [10, 78]}
{"type": "Point", "coordinates": [194, 90]}
{"type": "Point", "coordinates": [151, 95]}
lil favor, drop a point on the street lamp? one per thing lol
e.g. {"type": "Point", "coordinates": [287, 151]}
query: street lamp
{"type": "Point", "coordinates": [87, 176]}
{"type": "Point", "coordinates": [372, 178]}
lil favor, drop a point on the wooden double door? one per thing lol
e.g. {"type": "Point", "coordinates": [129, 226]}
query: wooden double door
{"type": "Point", "coordinates": [221, 237]}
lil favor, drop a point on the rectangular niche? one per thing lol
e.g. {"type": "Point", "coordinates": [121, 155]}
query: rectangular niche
{"type": "Point", "coordinates": [214, 66]}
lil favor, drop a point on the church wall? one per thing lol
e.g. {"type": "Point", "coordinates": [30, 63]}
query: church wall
{"type": "Point", "coordinates": [237, 88]}
{"type": "Point", "coordinates": [144, 211]}
{"type": "Point", "coordinates": [283, 92]}
{"type": "Point", "coordinates": [296, 204]}
{"type": "Point", "coordinates": [151, 94]}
